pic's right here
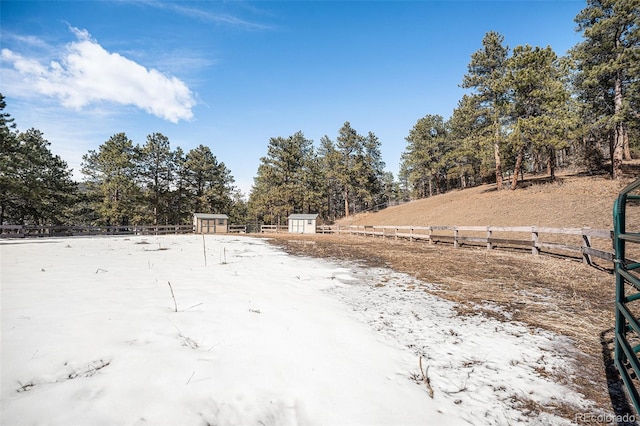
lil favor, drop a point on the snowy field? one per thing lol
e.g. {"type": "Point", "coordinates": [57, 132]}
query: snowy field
{"type": "Point", "coordinates": [90, 335]}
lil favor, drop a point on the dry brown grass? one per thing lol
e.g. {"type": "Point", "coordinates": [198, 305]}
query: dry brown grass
{"type": "Point", "coordinates": [559, 295]}
{"type": "Point", "coordinates": [571, 201]}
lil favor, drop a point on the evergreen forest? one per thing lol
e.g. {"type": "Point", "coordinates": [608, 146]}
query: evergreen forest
{"type": "Point", "coordinates": [525, 110]}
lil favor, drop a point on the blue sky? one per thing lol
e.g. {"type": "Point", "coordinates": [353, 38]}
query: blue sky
{"type": "Point", "coordinates": [232, 74]}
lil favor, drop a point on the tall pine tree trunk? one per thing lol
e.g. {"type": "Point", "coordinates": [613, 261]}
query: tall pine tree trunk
{"type": "Point", "coordinates": [517, 168]}
{"type": "Point", "coordinates": [627, 149]}
{"type": "Point", "coordinates": [611, 137]}
{"type": "Point", "coordinates": [346, 202]}
{"type": "Point", "coordinates": [619, 132]}
{"type": "Point", "coordinates": [618, 151]}
{"type": "Point", "coordinates": [496, 156]}
{"type": "Point", "coordinates": [551, 163]}
{"type": "Point", "coordinates": [536, 163]}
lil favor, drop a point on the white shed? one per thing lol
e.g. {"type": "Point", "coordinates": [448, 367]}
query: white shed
{"type": "Point", "coordinates": [302, 223]}
{"type": "Point", "coordinates": [205, 223]}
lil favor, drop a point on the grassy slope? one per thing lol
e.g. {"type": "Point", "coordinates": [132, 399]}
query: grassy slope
{"type": "Point", "coordinates": [570, 201]}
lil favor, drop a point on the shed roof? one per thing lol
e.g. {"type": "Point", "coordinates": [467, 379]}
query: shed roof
{"type": "Point", "coordinates": [210, 216]}
{"type": "Point", "coordinates": [303, 216]}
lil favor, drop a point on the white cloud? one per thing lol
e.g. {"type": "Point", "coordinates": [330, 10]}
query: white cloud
{"type": "Point", "coordinates": [87, 74]}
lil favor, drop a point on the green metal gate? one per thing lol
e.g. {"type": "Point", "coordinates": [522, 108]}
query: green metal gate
{"type": "Point", "coordinates": [627, 308]}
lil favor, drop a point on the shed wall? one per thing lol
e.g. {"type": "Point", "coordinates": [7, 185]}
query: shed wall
{"type": "Point", "coordinates": [302, 226]}
{"type": "Point", "coordinates": [211, 226]}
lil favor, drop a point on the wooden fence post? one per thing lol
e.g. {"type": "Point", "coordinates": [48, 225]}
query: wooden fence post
{"type": "Point", "coordinates": [586, 243]}
{"type": "Point", "coordinates": [534, 238]}
{"type": "Point", "coordinates": [489, 243]}
{"type": "Point", "coordinates": [455, 237]}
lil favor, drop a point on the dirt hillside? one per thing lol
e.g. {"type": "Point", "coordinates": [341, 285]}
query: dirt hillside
{"type": "Point", "coordinates": [570, 201]}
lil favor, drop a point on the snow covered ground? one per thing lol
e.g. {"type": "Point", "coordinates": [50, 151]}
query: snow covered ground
{"type": "Point", "coordinates": [90, 335]}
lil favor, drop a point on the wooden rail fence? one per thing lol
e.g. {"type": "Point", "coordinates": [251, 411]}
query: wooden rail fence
{"type": "Point", "coordinates": [274, 228]}
{"type": "Point", "coordinates": [586, 243]}
{"type": "Point", "coordinates": [239, 229]}
{"type": "Point", "coordinates": [22, 231]}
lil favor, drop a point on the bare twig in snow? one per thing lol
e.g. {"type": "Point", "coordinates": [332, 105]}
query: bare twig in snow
{"type": "Point", "coordinates": [27, 386]}
{"type": "Point", "coordinates": [92, 368]}
{"type": "Point", "coordinates": [212, 347]}
{"type": "Point", "coordinates": [463, 388]}
{"type": "Point", "coordinates": [175, 304]}
{"type": "Point", "coordinates": [184, 340]}
{"type": "Point", "coordinates": [204, 249]}
{"type": "Point", "coordinates": [192, 306]}
{"type": "Point", "coordinates": [425, 378]}
{"type": "Point", "coordinates": [191, 377]}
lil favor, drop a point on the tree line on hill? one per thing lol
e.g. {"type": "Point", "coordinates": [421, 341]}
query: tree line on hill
{"type": "Point", "coordinates": [527, 110]}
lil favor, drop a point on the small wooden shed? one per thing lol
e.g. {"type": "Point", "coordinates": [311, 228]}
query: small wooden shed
{"type": "Point", "coordinates": [302, 223]}
{"type": "Point", "coordinates": [205, 223]}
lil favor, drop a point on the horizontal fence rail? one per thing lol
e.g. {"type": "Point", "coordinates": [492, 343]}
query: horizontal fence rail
{"type": "Point", "coordinates": [273, 228]}
{"type": "Point", "coordinates": [586, 243]}
{"type": "Point", "coordinates": [240, 229]}
{"type": "Point", "coordinates": [22, 231]}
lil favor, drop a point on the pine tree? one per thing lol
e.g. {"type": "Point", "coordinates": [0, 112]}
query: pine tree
{"type": "Point", "coordinates": [156, 174]}
{"type": "Point", "coordinates": [286, 181]}
{"type": "Point", "coordinates": [539, 112]}
{"type": "Point", "coordinates": [486, 75]}
{"type": "Point", "coordinates": [329, 158]}
{"type": "Point", "coordinates": [349, 145]}
{"type": "Point", "coordinates": [313, 181]}
{"type": "Point", "coordinates": [9, 166]}
{"type": "Point", "coordinates": [35, 185]}
{"type": "Point", "coordinates": [466, 129]}
{"type": "Point", "coordinates": [179, 198]}
{"type": "Point", "coordinates": [45, 190]}
{"type": "Point", "coordinates": [424, 159]}
{"type": "Point", "coordinates": [111, 175]}
{"type": "Point", "coordinates": [390, 190]}
{"type": "Point", "coordinates": [608, 67]}
{"type": "Point", "coordinates": [371, 180]}
{"type": "Point", "coordinates": [239, 213]}
{"type": "Point", "coordinates": [209, 182]}
{"type": "Point", "coordinates": [404, 186]}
